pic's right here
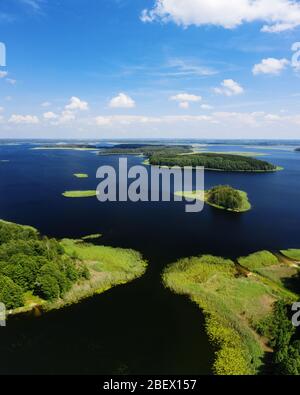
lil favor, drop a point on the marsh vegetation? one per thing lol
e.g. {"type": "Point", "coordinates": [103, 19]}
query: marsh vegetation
{"type": "Point", "coordinates": [245, 310]}
{"type": "Point", "coordinates": [81, 175]}
{"type": "Point", "coordinates": [80, 194]}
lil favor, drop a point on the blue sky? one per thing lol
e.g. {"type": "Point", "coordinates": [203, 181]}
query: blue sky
{"type": "Point", "coordinates": [147, 68]}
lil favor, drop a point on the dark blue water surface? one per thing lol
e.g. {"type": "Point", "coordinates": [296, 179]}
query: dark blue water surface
{"type": "Point", "coordinates": [139, 327]}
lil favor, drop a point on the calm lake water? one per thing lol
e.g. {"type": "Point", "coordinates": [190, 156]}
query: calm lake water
{"type": "Point", "coordinates": [137, 328]}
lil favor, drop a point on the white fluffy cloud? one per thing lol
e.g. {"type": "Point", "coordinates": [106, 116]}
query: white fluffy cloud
{"type": "Point", "coordinates": [25, 119]}
{"type": "Point", "coordinates": [69, 112]}
{"type": "Point", "coordinates": [50, 115]}
{"type": "Point", "coordinates": [229, 88]}
{"type": "Point", "coordinates": [270, 66]}
{"type": "Point", "coordinates": [277, 15]}
{"type": "Point", "coordinates": [3, 74]}
{"type": "Point", "coordinates": [77, 104]}
{"type": "Point", "coordinates": [184, 99]}
{"type": "Point", "coordinates": [122, 101]}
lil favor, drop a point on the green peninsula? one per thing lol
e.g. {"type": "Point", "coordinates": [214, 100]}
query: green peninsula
{"type": "Point", "coordinates": [41, 273]}
{"type": "Point", "coordinates": [292, 254]}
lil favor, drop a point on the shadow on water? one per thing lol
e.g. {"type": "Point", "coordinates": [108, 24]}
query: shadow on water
{"type": "Point", "coordinates": [138, 328]}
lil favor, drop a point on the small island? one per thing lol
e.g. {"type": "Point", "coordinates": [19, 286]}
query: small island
{"type": "Point", "coordinates": [246, 307]}
{"type": "Point", "coordinates": [222, 197]}
{"type": "Point", "coordinates": [80, 194]}
{"type": "Point", "coordinates": [41, 273]}
{"type": "Point", "coordinates": [81, 175]}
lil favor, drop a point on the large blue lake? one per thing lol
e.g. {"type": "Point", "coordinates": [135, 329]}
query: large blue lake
{"type": "Point", "coordinates": [139, 327]}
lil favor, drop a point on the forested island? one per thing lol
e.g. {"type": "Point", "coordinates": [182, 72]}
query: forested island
{"type": "Point", "coordinates": [247, 310]}
{"type": "Point", "coordinates": [222, 197]}
{"type": "Point", "coordinates": [184, 156]}
{"type": "Point", "coordinates": [38, 271]}
{"type": "Point", "coordinates": [214, 161]}
{"type": "Point", "coordinates": [146, 150]}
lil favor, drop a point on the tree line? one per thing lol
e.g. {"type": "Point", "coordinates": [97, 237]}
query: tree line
{"type": "Point", "coordinates": [36, 264]}
{"type": "Point", "coordinates": [283, 339]}
{"type": "Point", "coordinates": [225, 196]}
{"type": "Point", "coordinates": [146, 150]}
{"type": "Point", "coordinates": [226, 162]}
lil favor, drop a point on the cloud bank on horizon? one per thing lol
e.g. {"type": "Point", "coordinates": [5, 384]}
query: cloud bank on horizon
{"type": "Point", "coordinates": [176, 68]}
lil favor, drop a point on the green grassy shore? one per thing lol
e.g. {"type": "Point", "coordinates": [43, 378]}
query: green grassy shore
{"type": "Point", "coordinates": [108, 268]}
{"type": "Point", "coordinates": [293, 254]}
{"type": "Point", "coordinates": [41, 274]}
{"type": "Point", "coordinates": [236, 301]}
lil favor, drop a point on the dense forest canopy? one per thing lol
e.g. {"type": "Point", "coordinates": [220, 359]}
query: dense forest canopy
{"type": "Point", "coordinates": [225, 196]}
{"type": "Point", "coordinates": [31, 263]}
{"type": "Point", "coordinates": [215, 161]}
{"type": "Point", "coordinates": [147, 150]}
{"type": "Point", "coordinates": [183, 155]}
{"type": "Point", "coordinates": [283, 339]}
